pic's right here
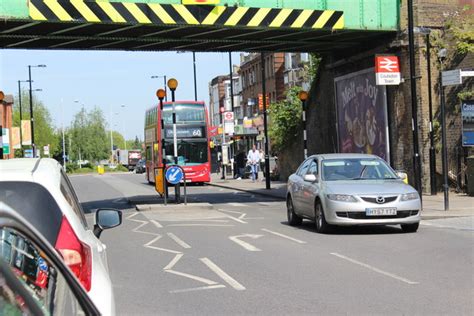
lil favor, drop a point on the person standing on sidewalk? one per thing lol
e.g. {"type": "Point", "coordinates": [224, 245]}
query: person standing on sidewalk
{"type": "Point", "coordinates": [253, 159]}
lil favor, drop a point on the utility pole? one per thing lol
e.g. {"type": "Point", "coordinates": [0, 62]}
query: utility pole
{"type": "Point", "coordinates": [414, 104]}
{"type": "Point", "coordinates": [265, 125]}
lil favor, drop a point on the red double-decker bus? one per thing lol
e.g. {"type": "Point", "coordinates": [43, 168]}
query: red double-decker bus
{"type": "Point", "coordinates": [192, 140]}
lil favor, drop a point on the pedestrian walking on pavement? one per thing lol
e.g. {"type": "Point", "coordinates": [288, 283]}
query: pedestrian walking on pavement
{"type": "Point", "coordinates": [253, 159]}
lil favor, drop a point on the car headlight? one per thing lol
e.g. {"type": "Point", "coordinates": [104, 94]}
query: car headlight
{"type": "Point", "coordinates": [409, 196]}
{"type": "Point", "coordinates": [342, 197]}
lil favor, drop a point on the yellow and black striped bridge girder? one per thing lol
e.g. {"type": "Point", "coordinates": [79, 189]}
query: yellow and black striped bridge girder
{"type": "Point", "coordinates": [90, 11]}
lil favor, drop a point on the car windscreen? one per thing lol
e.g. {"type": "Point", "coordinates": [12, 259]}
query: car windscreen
{"type": "Point", "coordinates": [356, 169]}
{"type": "Point", "coordinates": [190, 152]}
{"type": "Point", "coordinates": [35, 204]}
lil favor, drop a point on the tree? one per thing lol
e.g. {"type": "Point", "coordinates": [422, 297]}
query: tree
{"type": "Point", "coordinates": [285, 119]}
{"type": "Point", "coordinates": [134, 144]}
{"type": "Point", "coordinates": [118, 140]}
{"type": "Point", "coordinates": [87, 136]}
{"type": "Point", "coordinates": [44, 130]}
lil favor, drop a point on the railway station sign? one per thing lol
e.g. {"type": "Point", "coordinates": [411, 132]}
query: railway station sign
{"type": "Point", "coordinates": [387, 70]}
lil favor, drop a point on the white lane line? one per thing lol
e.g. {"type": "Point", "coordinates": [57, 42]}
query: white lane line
{"type": "Point", "coordinates": [193, 277]}
{"type": "Point", "coordinates": [210, 287]}
{"type": "Point", "coordinates": [174, 261]}
{"type": "Point", "coordinates": [178, 240]}
{"type": "Point", "coordinates": [374, 269]}
{"type": "Point", "coordinates": [148, 245]}
{"type": "Point", "coordinates": [237, 204]}
{"type": "Point", "coordinates": [133, 215]}
{"type": "Point", "coordinates": [205, 225]}
{"type": "Point", "coordinates": [244, 244]}
{"type": "Point", "coordinates": [157, 224]}
{"type": "Point", "coordinates": [224, 276]}
{"type": "Point", "coordinates": [264, 204]}
{"type": "Point", "coordinates": [284, 236]}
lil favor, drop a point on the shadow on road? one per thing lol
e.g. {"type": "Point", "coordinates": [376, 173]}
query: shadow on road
{"type": "Point", "coordinates": [92, 206]}
{"type": "Point", "coordinates": [352, 230]}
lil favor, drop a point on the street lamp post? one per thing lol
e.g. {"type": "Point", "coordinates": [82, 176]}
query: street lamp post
{"type": "Point", "coordinates": [161, 94]}
{"type": "Point", "coordinates": [172, 85]}
{"type": "Point", "coordinates": [414, 105]}
{"type": "Point", "coordinates": [195, 77]}
{"type": "Point", "coordinates": [444, 161]}
{"type": "Point", "coordinates": [426, 31]}
{"type": "Point", "coordinates": [265, 125]}
{"type": "Point", "coordinates": [21, 112]}
{"type": "Point", "coordinates": [33, 145]}
{"type": "Point", "coordinates": [303, 96]}
{"type": "Point", "coordinates": [123, 130]}
{"type": "Point", "coordinates": [164, 85]}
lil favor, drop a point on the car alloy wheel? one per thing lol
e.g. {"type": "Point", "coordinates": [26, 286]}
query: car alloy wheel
{"type": "Point", "coordinates": [293, 219]}
{"type": "Point", "coordinates": [321, 225]}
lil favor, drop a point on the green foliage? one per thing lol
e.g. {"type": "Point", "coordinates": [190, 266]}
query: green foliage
{"type": "Point", "coordinates": [285, 119]}
{"type": "Point", "coordinates": [458, 33]}
{"type": "Point", "coordinates": [134, 144]}
{"type": "Point", "coordinates": [87, 136]}
{"type": "Point", "coordinates": [117, 138]}
{"type": "Point", "coordinates": [466, 95]}
{"type": "Point", "coordinates": [44, 130]}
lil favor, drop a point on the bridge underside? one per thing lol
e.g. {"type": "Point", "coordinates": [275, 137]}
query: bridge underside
{"type": "Point", "coordinates": [41, 35]}
{"type": "Point", "coordinates": [85, 24]}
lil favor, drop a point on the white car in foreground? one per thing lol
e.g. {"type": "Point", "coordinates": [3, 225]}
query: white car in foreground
{"type": "Point", "coordinates": [40, 190]}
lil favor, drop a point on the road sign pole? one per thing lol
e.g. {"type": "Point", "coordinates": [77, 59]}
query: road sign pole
{"type": "Point", "coordinates": [265, 125]}
{"type": "Point", "coordinates": [444, 148]}
{"type": "Point", "coordinates": [175, 145]}
{"type": "Point", "coordinates": [163, 153]}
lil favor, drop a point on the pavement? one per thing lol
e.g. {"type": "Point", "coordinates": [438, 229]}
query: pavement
{"type": "Point", "coordinates": [460, 205]}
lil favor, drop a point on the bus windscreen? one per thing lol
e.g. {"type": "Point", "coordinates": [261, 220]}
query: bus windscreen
{"type": "Point", "coordinates": [189, 152]}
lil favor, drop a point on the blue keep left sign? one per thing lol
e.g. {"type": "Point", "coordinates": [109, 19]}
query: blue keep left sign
{"type": "Point", "coordinates": [174, 174]}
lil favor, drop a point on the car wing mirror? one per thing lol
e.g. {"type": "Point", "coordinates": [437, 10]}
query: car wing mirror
{"type": "Point", "coordinates": [106, 218]}
{"type": "Point", "coordinates": [310, 178]}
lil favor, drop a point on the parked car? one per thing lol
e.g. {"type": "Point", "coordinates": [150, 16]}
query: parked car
{"type": "Point", "coordinates": [351, 189]}
{"type": "Point", "coordinates": [34, 279]}
{"type": "Point", "coordinates": [140, 167]}
{"type": "Point", "coordinates": [41, 192]}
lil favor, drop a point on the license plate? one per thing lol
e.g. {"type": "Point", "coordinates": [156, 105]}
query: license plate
{"type": "Point", "coordinates": [381, 211]}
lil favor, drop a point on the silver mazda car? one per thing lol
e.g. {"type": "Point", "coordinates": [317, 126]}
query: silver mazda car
{"type": "Point", "coordinates": [351, 189]}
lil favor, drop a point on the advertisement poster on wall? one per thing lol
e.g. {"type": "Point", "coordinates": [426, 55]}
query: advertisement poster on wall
{"type": "Point", "coordinates": [362, 114]}
{"type": "Point", "coordinates": [467, 114]}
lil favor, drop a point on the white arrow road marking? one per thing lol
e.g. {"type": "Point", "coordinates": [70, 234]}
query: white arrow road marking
{"type": "Point", "coordinates": [244, 244]}
{"type": "Point", "coordinates": [178, 241]}
{"type": "Point", "coordinates": [375, 269]}
{"type": "Point", "coordinates": [205, 225]}
{"type": "Point", "coordinates": [284, 236]}
{"type": "Point", "coordinates": [224, 276]}
{"type": "Point", "coordinates": [237, 204]}
{"type": "Point", "coordinates": [388, 64]}
{"type": "Point", "coordinates": [210, 287]}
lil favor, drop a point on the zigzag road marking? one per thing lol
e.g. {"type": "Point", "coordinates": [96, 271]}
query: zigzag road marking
{"type": "Point", "coordinates": [178, 255]}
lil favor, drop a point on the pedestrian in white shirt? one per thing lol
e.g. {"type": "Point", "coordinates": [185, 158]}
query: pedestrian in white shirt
{"type": "Point", "coordinates": [253, 159]}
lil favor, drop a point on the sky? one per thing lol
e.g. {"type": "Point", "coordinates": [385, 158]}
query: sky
{"type": "Point", "coordinates": [108, 80]}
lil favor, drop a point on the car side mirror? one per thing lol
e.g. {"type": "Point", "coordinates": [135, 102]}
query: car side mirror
{"type": "Point", "coordinates": [310, 178]}
{"type": "Point", "coordinates": [402, 175]}
{"type": "Point", "coordinates": [106, 218]}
